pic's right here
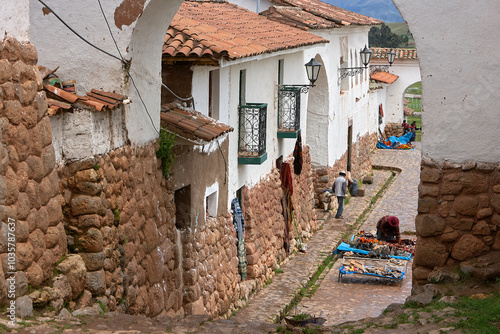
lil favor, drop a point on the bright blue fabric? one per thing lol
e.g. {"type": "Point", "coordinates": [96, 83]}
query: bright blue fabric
{"type": "Point", "coordinates": [396, 141]}
{"type": "Point", "coordinates": [344, 247]}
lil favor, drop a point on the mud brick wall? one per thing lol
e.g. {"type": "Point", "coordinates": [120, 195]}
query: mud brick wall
{"type": "Point", "coordinates": [264, 221]}
{"type": "Point", "coordinates": [323, 177]}
{"type": "Point", "coordinates": [393, 129]}
{"type": "Point", "coordinates": [29, 184]}
{"type": "Point", "coordinates": [458, 216]}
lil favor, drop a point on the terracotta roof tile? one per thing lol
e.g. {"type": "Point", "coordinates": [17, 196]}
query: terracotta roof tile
{"type": "Point", "coordinates": [401, 54]}
{"type": "Point", "coordinates": [323, 12]}
{"type": "Point", "coordinates": [190, 124]}
{"type": "Point", "coordinates": [383, 77]}
{"type": "Point", "coordinates": [59, 100]}
{"type": "Point", "coordinates": [222, 29]}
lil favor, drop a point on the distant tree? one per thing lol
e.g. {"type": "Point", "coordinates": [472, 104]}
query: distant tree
{"type": "Point", "coordinates": [383, 37]}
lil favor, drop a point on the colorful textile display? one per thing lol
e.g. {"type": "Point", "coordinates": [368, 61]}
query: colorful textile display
{"type": "Point", "coordinates": [393, 142]}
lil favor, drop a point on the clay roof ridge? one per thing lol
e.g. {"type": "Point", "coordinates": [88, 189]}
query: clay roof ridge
{"type": "Point", "coordinates": [331, 12]}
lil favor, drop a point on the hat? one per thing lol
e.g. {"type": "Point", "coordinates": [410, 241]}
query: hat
{"type": "Point", "coordinates": [393, 221]}
{"type": "Point", "coordinates": [342, 172]}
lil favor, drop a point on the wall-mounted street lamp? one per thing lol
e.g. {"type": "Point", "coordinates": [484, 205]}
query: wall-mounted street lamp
{"type": "Point", "coordinates": [312, 70]}
{"type": "Point", "coordinates": [365, 55]}
{"type": "Point", "coordinates": [391, 55]}
{"type": "Point", "coordinates": [289, 102]}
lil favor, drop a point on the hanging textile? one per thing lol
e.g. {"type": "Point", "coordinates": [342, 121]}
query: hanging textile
{"type": "Point", "coordinates": [239, 226]}
{"type": "Point", "coordinates": [297, 156]}
{"type": "Point", "coordinates": [286, 202]}
{"type": "Point", "coordinates": [286, 177]}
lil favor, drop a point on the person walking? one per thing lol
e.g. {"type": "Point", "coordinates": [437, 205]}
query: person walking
{"type": "Point", "coordinates": [340, 190]}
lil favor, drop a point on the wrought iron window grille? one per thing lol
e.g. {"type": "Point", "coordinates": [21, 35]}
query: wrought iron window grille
{"type": "Point", "coordinates": [252, 130]}
{"type": "Point", "coordinates": [289, 108]}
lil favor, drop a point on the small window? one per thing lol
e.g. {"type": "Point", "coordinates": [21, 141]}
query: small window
{"type": "Point", "coordinates": [213, 103]}
{"type": "Point", "coordinates": [243, 84]}
{"type": "Point", "coordinates": [281, 70]}
{"type": "Point", "coordinates": [211, 200]}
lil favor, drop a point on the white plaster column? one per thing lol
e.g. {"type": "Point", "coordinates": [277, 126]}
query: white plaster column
{"type": "Point", "coordinates": [460, 82]}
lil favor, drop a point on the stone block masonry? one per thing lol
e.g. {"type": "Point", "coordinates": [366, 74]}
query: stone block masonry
{"type": "Point", "coordinates": [265, 224]}
{"type": "Point", "coordinates": [29, 184]}
{"type": "Point", "coordinates": [119, 216]}
{"type": "Point", "coordinates": [393, 129]}
{"type": "Point", "coordinates": [458, 217]}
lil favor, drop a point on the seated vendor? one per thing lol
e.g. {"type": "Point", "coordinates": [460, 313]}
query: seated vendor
{"type": "Point", "coordinates": [388, 229]}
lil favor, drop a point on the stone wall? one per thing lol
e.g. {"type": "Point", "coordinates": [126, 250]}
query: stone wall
{"type": "Point", "coordinates": [265, 224]}
{"type": "Point", "coordinates": [211, 279]}
{"type": "Point", "coordinates": [323, 177]}
{"type": "Point", "coordinates": [458, 219]}
{"type": "Point", "coordinates": [393, 129]}
{"type": "Point", "coordinates": [29, 184]}
{"type": "Point", "coordinates": [120, 222]}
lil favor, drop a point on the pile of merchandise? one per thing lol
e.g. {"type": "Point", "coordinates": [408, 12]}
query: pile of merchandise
{"type": "Point", "coordinates": [366, 255]}
{"type": "Point", "coordinates": [391, 269]}
{"type": "Point", "coordinates": [381, 249]}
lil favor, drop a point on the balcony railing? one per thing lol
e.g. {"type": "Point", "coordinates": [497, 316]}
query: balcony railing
{"type": "Point", "coordinates": [288, 111]}
{"type": "Point", "coordinates": [252, 133]}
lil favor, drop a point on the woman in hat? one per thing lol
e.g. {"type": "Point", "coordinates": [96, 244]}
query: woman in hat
{"type": "Point", "coordinates": [388, 229]}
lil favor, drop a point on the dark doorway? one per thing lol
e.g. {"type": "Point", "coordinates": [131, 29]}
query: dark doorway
{"type": "Point", "coordinates": [349, 144]}
{"type": "Point", "coordinates": [182, 199]}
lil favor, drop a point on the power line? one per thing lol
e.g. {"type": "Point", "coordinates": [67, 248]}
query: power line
{"type": "Point", "coordinates": [127, 68]}
{"type": "Point", "coordinates": [77, 34]}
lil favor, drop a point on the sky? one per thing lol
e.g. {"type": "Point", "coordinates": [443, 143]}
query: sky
{"type": "Point", "coordinates": [384, 10]}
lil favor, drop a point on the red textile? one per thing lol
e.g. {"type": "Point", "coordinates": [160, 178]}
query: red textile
{"type": "Point", "coordinates": [286, 177]}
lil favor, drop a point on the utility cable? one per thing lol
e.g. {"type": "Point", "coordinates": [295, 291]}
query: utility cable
{"type": "Point", "coordinates": [180, 98]}
{"type": "Point", "coordinates": [77, 34]}
{"type": "Point", "coordinates": [126, 67]}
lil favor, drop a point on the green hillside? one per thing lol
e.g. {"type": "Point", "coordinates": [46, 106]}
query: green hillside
{"type": "Point", "coordinates": [401, 28]}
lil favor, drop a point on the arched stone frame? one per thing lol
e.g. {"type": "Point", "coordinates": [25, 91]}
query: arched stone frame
{"type": "Point", "coordinates": [404, 93]}
{"type": "Point", "coordinates": [459, 178]}
{"type": "Point", "coordinates": [139, 29]}
{"type": "Point", "coordinates": [146, 43]}
{"type": "Point", "coordinates": [319, 118]}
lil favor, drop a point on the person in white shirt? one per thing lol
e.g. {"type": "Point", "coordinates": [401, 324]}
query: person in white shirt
{"type": "Point", "coordinates": [340, 190]}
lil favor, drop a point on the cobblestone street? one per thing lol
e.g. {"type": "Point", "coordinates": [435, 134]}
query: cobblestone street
{"type": "Point", "coordinates": [341, 302]}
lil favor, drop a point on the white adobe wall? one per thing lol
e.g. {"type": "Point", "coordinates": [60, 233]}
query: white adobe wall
{"type": "Point", "coordinates": [84, 133]}
{"type": "Point", "coordinates": [14, 20]}
{"type": "Point", "coordinates": [262, 80]}
{"type": "Point", "coordinates": [256, 6]}
{"type": "Point", "coordinates": [377, 97]}
{"type": "Point", "coordinates": [139, 36]}
{"type": "Point", "coordinates": [409, 73]}
{"type": "Point", "coordinates": [460, 82]}
{"type": "Point", "coordinates": [352, 103]}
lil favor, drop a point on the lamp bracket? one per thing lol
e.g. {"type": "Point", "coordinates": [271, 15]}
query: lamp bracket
{"type": "Point", "coordinates": [345, 72]}
{"type": "Point", "coordinates": [303, 88]}
{"type": "Point", "coordinates": [379, 68]}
